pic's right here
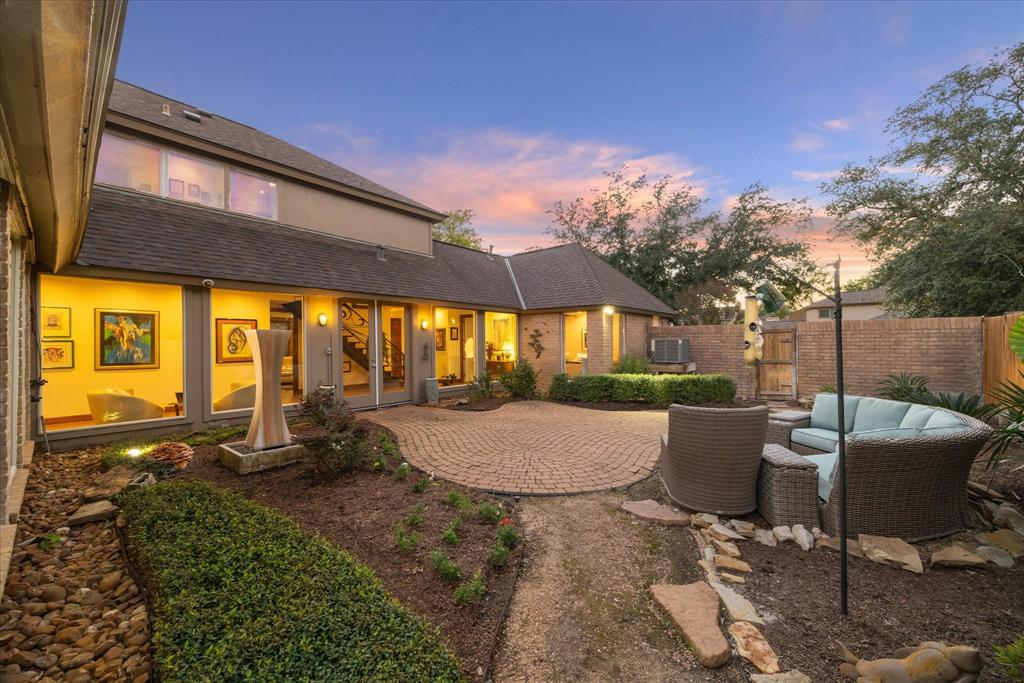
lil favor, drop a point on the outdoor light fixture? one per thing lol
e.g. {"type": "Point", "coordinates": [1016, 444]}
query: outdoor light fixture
{"type": "Point", "coordinates": [322, 319]}
{"type": "Point", "coordinates": [608, 310]}
{"type": "Point", "coordinates": [135, 452]}
{"type": "Point", "coordinates": [424, 324]}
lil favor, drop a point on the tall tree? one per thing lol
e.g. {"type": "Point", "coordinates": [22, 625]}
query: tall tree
{"type": "Point", "coordinates": [458, 229]}
{"type": "Point", "coordinates": [943, 211]}
{"type": "Point", "coordinates": [662, 235]}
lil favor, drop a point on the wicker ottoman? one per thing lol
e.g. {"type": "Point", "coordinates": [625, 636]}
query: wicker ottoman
{"type": "Point", "coordinates": [781, 425]}
{"type": "Point", "coordinates": [787, 488]}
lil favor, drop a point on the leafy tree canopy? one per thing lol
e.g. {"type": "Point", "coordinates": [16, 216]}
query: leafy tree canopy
{"type": "Point", "coordinates": [943, 211]}
{"type": "Point", "coordinates": [458, 229]}
{"type": "Point", "coordinates": [661, 234]}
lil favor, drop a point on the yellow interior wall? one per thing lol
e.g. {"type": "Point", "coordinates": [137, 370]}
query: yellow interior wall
{"type": "Point", "coordinates": [64, 393]}
{"type": "Point", "coordinates": [491, 336]}
{"type": "Point", "coordinates": [575, 324]}
{"type": "Point", "coordinates": [448, 360]}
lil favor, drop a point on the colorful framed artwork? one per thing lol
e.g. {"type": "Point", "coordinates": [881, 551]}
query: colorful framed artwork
{"type": "Point", "coordinates": [453, 334]}
{"type": "Point", "coordinates": [346, 366]}
{"type": "Point", "coordinates": [58, 354]}
{"type": "Point", "coordinates": [176, 188]}
{"type": "Point", "coordinates": [127, 340]}
{"type": "Point", "coordinates": [193, 191]}
{"type": "Point", "coordinates": [54, 321]}
{"type": "Point", "coordinates": [439, 340]}
{"type": "Point", "coordinates": [232, 346]}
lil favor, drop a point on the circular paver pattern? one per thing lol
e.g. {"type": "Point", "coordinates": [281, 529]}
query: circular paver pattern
{"type": "Point", "coordinates": [529, 447]}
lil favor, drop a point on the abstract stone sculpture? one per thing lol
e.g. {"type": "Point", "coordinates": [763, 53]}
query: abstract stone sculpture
{"type": "Point", "coordinates": [929, 662]}
{"type": "Point", "coordinates": [268, 429]}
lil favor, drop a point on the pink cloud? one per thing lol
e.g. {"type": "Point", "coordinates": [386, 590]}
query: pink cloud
{"type": "Point", "coordinates": [815, 176]}
{"type": "Point", "coordinates": [836, 124]}
{"type": "Point", "coordinates": [806, 142]}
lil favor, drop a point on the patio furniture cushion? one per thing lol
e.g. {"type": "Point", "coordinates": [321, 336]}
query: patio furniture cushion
{"type": "Point", "coordinates": [917, 416]}
{"type": "Point", "coordinates": [878, 413]}
{"type": "Point", "coordinates": [826, 463]}
{"type": "Point", "coordinates": [825, 416]}
{"type": "Point", "coordinates": [891, 433]}
{"type": "Point", "coordinates": [941, 418]}
{"type": "Point", "coordinates": [941, 431]}
{"type": "Point", "coordinates": [815, 437]}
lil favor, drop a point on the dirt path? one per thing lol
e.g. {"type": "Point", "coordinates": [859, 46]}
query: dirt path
{"type": "Point", "coordinates": [581, 611]}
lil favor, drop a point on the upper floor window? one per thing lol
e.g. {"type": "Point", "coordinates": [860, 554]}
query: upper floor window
{"type": "Point", "coordinates": [253, 195]}
{"type": "Point", "coordinates": [194, 180]}
{"type": "Point", "coordinates": [825, 313]}
{"type": "Point", "coordinates": [127, 163]}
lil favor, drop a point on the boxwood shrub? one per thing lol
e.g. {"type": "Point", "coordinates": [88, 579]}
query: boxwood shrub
{"type": "Point", "coordinates": [241, 593]}
{"type": "Point", "coordinates": [659, 390]}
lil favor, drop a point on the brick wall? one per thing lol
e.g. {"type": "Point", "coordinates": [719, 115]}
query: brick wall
{"type": "Point", "coordinates": [716, 348]}
{"type": "Point", "coordinates": [636, 334]}
{"type": "Point", "coordinates": [549, 363]}
{"type": "Point", "coordinates": [948, 351]}
{"type": "Point", "coordinates": [599, 342]}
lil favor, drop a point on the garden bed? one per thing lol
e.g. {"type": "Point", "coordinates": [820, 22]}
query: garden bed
{"type": "Point", "coordinates": [359, 512]}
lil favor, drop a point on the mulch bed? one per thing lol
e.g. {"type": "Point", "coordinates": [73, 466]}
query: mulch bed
{"type": "Point", "coordinates": [359, 513]}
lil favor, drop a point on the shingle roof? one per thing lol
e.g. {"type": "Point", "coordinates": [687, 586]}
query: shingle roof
{"type": "Point", "coordinates": [570, 275]}
{"type": "Point", "coordinates": [132, 231]}
{"type": "Point", "coordinates": [860, 298]}
{"type": "Point", "coordinates": [142, 104]}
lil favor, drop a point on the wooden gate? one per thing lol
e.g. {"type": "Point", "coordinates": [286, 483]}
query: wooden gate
{"type": "Point", "coordinates": [776, 372]}
{"type": "Point", "coordinates": [1000, 363]}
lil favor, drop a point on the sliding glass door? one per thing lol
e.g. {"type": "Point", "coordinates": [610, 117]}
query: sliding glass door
{"type": "Point", "coordinates": [374, 358]}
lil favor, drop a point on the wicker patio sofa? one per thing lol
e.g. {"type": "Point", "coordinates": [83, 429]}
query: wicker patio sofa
{"type": "Point", "coordinates": [906, 465]}
{"type": "Point", "coordinates": [711, 456]}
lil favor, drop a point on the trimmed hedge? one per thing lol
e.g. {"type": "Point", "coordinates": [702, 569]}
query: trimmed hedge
{"type": "Point", "coordinates": [241, 593]}
{"type": "Point", "coordinates": [654, 389]}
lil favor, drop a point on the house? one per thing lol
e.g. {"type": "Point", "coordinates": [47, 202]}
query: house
{"type": "Point", "coordinates": [200, 228]}
{"type": "Point", "coordinates": [867, 304]}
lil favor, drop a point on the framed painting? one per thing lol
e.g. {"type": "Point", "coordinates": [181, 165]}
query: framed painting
{"type": "Point", "coordinates": [127, 340]}
{"type": "Point", "coordinates": [54, 321]}
{"type": "Point", "coordinates": [232, 346]}
{"type": "Point", "coordinates": [58, 354]}
{"type": "Point", "coordinates": [453, 333]}
{"type": "Point", "coordinates": [439, 339]}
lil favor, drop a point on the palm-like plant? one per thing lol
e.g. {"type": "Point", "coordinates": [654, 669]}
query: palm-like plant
{"type": "Point", "coordinates": [959, 402]}
{"type": "Point", "coordinates": [901, 386]}
{"type": "Point", "coordinates": [1007, 443]}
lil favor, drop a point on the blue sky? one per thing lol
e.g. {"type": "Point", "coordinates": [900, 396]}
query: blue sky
{"type": "Point", "coordinates": [507, 107]}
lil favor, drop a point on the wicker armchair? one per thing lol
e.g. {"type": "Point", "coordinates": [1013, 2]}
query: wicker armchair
{"type": "Point", "coordinates": [787, 488]}
{"type": "Point", "coordinates": [712, 456]}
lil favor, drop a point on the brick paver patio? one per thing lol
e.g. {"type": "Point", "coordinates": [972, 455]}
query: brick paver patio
{"type": "Point", "coordinates": [529, 447]}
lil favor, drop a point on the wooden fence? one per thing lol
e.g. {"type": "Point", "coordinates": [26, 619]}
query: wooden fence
{"type": "Point", "coordinates": [1000, 363]}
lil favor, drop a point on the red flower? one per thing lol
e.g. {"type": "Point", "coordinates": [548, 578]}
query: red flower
{"type": "Point", "coordinates": [505, 521]}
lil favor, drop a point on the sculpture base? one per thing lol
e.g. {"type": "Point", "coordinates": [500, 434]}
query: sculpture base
{"type": "Point", "coordinates": [241, 459]}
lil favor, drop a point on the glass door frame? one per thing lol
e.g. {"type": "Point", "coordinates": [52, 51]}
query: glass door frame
{"type": "Point", "coordinates": [370, 399]}
{"type": "Point", "coordinates": [404, 395]}
{"type": "Point", "coordinates": [376, 396]}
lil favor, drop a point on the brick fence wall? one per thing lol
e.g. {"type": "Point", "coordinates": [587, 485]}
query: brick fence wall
{"type": "Point", "coordinates": [716, 348]}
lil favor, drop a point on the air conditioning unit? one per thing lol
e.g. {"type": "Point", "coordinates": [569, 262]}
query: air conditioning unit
{"type": "Point", "coordinates": [670, 350]}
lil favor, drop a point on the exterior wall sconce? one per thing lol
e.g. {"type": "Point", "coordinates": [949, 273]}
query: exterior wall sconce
{"type": "Point", "coordinates": [608, 310]}
{"type": "Point", "coordinates": [424, 324]}
{"type": "Point", "coordinates": [322, 319]}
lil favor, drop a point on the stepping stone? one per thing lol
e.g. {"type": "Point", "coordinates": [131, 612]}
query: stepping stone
{"type": "Point", "coordinates": [654, 511]}
{"type": "Point", "coordinates": [737, 606]}
{"type": "Point", "coordinates": [956, 555]}
{"type": "Point", "coordinates": [832, 543]}
{"type": "Point", "coordinates": [694, 609]}
{"type": "Point", "coordinates": [996, 556]}
{"type": "Point", "coordinates": [704, 520]}
{"type": "Point", "coordinates": [731, 564]}
{"type": "Point", "coordinates": [803, 537]}
{"type": "Point", "coordinates": [765, 537]}
{"type": "Point", "coordinates": [1010, 541]}
{"type": "Point", "coordinates": [726, 548]}
{"type": "Point", "coordinates": [818, 533]}
{"type": "Point", "coordinates": [894, 552]}
{"type": "Point", "coordinates": [93, 512]}
{"type": "Point", "coordinates": [751, 645]}
{"type": "Point", "coordinates": [745, 529]}
{"type": "Point", "coordinates": [710, 569]}
{"type": "Point", "coordinates": [1008, 517]}
{"type": "Point", "coordinates": [723, 533]}
{"type": "Point", "coordinates": [794, 676]}
{"type": "Point", "coordinates": [783, 533]}
{"type": "Point", "coordinates": [731, 578]}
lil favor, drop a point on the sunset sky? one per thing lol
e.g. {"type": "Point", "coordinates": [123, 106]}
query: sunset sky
{"type": "Point", "coordinates": [507, 108]}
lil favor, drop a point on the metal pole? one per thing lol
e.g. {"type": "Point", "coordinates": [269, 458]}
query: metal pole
{"type": "Point", "coordinates": [840, 400]}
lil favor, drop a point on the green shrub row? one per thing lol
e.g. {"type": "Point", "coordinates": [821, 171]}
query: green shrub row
{"type": "Point", "coordinates": [653, 389]}
{"type": "Point", "coordinates": [242, 594]}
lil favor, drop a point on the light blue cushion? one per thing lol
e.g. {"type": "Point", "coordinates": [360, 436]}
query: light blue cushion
{"type": "Point", "coordinates": [917, 416]}
{"type": "Point", "coordinates": [826, 463]}
{"type": "Point", "coordinates": [879, 413]}
{"type": "Point", "coordinates": [821, 439]}
{"type": "Point", "coordinates": [940, 418]}
{"type": "Point", "coordinates": [892, 433]}
{"type": "Point", "coordinates": [942, 431]}
{"type": "Point", "coordinates": [825, 415]}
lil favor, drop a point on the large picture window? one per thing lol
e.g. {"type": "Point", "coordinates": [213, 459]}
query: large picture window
{"type": "Point", "coordinates": [128, 163]}
{"type": "Point", "coordinates": [454, 345]}
{"type": "Point", "coordinates": [233, 374]}
{"type": "Point", "coordinates": [253, 195]}
{"type": "Point", "coordinates": [500, 342]}
{"type": "Point", "coordinates": [111, 351]}
{"type": "Point", "coordinates": [194, 180]}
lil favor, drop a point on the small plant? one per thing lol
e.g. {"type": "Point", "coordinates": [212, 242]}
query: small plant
{"type": "Point", "coordinates": [50, 541]}
{"type": "Point", "coordinates": [387, 446]}
{"type": "Point", "coordinates": [473, 590]}
{"type": "Point", "coordinates": [380, 462]}
{"type": "Point", "coordinates": [421, 485]}
{"type": "Point", "coordinates": [407, 541]}
{"type": "Point", "coordinates": [632, 364]}
{"type": "Point", "coordinates": [403, 471]}
{"type": "Point", "coordinates": [521, 381]}
{"type": "Point", "coordinates": [482, 385]}
{"type": "Point", "coordinates": [827, 389]}
{"type": "Point", "coordinates": [444, 566]}
{"type": "Point", "coordinates": [460, 502]}
{"type": "Point", "coordinates": [490, 513]}
{"type": "Point", "coordinates": [508, 535]}
{"type": "Point", "coordinates": [1011, 658]}
{"type": "Point", "coordinates": [901, 386]}
{"type": "Point", "coordinates": [415, 518]}
{"type": "Point", "coordinates": [450, 535]}
{"type": "Point", "coordinates": [498, 554]}
{"type": "Point", "coordinates": [960, 402]}
{"type": "Point", "coordinates": [339, 443]}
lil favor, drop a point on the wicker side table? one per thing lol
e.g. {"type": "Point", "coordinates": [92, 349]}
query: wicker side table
{"type": "Point", "coordinates": [787, 488]}
{"type": "Point", "coordinates": [781, 425]}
